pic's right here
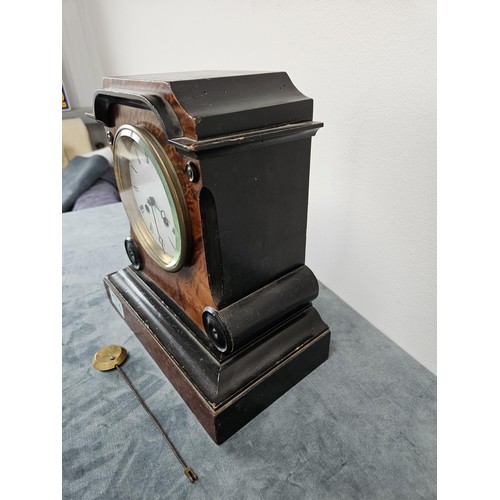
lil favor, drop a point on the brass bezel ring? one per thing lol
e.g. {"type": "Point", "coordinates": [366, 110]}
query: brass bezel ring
{"type": "Point", "coordinates": [173, 190]}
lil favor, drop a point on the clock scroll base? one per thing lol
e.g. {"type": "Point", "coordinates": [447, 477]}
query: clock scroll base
{"type": "Point", "coordinates": [169, 339]}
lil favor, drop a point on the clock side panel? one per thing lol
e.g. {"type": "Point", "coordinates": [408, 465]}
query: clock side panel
{"type": "Point", "coordinates": [258, 200]}
{"type": "Point", "coordinates": [188, 287]}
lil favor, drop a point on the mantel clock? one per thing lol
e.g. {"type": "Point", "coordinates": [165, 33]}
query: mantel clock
{"type": "Point", "coordinates": [213, 172]}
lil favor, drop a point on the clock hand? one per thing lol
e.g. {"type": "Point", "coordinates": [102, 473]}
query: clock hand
{"type": "Point", "coordinates": [158, 231]}
{"type": "Point", "coordinates": [166, 221]}
{"type": "Point", "coordinates": [152, 203]}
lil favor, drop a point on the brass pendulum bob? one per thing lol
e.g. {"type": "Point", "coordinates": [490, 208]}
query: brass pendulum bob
{"type": "Point", "coordinates": [112, 356]}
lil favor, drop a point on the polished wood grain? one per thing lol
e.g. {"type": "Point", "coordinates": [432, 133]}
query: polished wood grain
{"type": "Point", "coordinates": [188, 287]}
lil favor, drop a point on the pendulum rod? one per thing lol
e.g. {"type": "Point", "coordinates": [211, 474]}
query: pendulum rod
{"type": "Point", "coordinates": [187, 470]}
{"type": "Point", "coordinates": [112, 356]}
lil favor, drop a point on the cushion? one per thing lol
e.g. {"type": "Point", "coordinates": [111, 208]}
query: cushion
{"type": "Point", "coordinates": [79, 175]}
{"type": "Point", "coordinates": [103, 192]}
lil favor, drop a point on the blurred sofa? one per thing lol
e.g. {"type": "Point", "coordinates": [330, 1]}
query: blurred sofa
{"type": "Point", "coordinates": [88, 178]}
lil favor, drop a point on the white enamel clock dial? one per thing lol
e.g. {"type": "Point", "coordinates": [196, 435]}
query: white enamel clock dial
{"type": "Point", "coordinates": [152, 196]}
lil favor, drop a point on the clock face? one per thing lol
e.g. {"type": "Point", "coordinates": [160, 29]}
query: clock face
{"type": "Point", "coordinates": [152, 196]}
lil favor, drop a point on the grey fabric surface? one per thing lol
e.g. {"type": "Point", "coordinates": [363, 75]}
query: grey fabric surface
{"type": "Point", "coordinates": [361, 426]}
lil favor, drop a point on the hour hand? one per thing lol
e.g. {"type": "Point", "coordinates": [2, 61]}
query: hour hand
{"type": "Point", "coordinates": [151, 202]}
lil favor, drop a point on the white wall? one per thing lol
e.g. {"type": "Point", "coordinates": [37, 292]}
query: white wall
{"type": "Point", "coordinates": [370, 66]}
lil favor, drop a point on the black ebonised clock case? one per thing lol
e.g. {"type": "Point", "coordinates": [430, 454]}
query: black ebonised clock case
{"type": "Point", "coordinates": [248, 135]}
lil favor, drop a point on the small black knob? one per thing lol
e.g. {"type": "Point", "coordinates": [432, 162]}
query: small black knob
{"type": "Point", "coordinates": [133, 253]}
{"type": "Point", "coordinates": [110, 138]}
{"type": "Point", "coordinates": [192, 171]}
{"type": "Point", "coordinates": [216, 330]}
